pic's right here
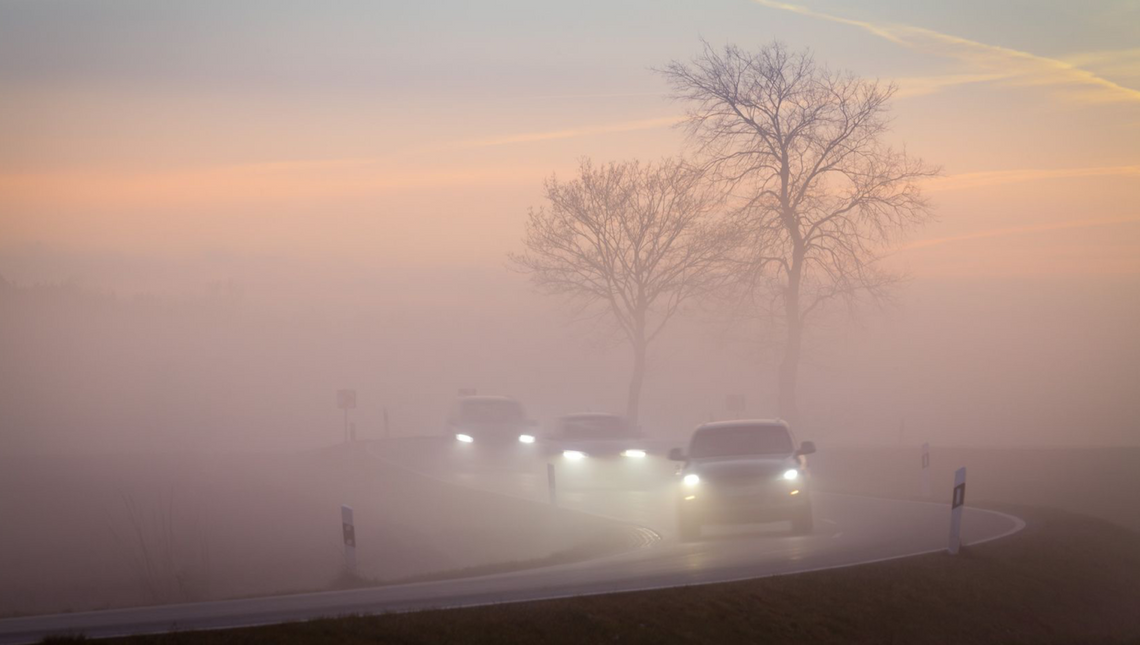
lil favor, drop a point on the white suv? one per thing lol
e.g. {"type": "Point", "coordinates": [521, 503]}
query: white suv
{"type": "Point", "coordinates": [738, 472]}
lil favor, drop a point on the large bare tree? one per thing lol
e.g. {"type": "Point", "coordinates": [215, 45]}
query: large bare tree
{"type": "Point", "coordinates": [630, 242]}
{"type": "Point", "coordinates": [818, 194]}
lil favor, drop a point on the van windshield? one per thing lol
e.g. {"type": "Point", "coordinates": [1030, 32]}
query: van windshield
{"type": "Point", "coordinates": [596, 427]}
{"type": "Point", "coordinates": [741, 440]}
{"type": "Point", "coordinates": [491, 412]}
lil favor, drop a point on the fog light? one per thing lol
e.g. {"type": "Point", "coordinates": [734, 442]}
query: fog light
{"type": "Point", "coordinates": [688, 497]}
{"type": "Point", "coordinates": [637, 454]}
{"type": "Point", "coordinates": [795, 492]}
{"type": "Point", "coordinates": [526, 438]}
{"type": "Point", "coordinates": [574, 455]}
{"type": "Point", "coordinates": [465, 438]}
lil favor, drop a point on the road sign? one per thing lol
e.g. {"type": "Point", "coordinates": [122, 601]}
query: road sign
{"type": "Point", "coordinates": [346, 399]}
{"type": "Point", "coordinates": [349, 530]}
{"type": "Point", "coordinates": [956, 504]}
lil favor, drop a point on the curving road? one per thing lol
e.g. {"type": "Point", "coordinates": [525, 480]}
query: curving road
{"type": "Point", "coordinates": [850, 530]}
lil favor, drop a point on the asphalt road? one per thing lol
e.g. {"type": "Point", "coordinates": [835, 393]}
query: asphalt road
{"type": "Point", "coordinates": [850, 530]}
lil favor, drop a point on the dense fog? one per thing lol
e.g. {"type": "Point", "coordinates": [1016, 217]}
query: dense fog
{"type": "Point", "coordinates": [254, 361]}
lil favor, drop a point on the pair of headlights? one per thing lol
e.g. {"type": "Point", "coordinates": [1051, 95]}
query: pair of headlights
{"type": "Point", "coordinates": [692, 479]}
{"type": "Point", "coordinates": [466, 438]}
{"type": "Point", "coordinates": [575, 455]}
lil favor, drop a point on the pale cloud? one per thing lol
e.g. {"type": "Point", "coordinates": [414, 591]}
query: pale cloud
{"type": "Point", "coordinates": [998, 177]}
{"type": "Point", "coordinates": [1021, 230]}
{"type": "Point", "coordinates": [530, 137]}
{"type": "Point", "coordinates": [986, 62]}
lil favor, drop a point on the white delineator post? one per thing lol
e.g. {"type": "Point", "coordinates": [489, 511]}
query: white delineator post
{"type": "Point", "coordinates": [550, 483]}
{"type": "Point", "coordinates": [349, 538]}
{"type": "Point", "coordinates": [926, 470]}
{"type": "Point", "coordinates": [956, 504]}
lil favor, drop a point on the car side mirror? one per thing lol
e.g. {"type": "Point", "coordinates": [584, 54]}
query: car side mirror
{"type": "Point", "coordinates": [806, 448]}
{"type": "Point", "coordinates": [676, 454]}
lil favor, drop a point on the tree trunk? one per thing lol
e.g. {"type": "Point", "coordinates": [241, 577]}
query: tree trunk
{"type": "Point", "coordinates": [633, 405]}
{"type": "Point", "coordinates": [790, 365]}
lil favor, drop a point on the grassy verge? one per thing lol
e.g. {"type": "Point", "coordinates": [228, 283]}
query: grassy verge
{"type": "Point", "coordinates": [1065, 579]}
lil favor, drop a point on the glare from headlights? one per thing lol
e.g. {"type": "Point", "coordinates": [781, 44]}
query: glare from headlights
{"type": "Point", "coordinates": [791, 474]}
{"type": "Point", "coordinates": [692, 479]}
{"type": "Point", "coordinates": [573, 454]}
{"type": "Point", "coordinates": [465, 438]}
{"type": "Point", "coordinates": [638, 454]}
{"type": "Point", "coordinates": [526, 438]}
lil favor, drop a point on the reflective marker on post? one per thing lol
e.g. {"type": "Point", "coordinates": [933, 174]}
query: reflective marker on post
{"type": "Point", "coordinates": [550, 483]}
{"type": "Point", "coordinates": [926, 470]}
{"type": "Point", "coordinates": [956, 504]}
{"type": "Point", "coordinates": [349, 538]}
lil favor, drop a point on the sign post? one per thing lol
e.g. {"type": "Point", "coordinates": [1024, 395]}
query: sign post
{"type": "Point", "coordinates": [550, 483]}
{"type": "Point", "coordinates": [349, 530]}
{"type": "Point", "coordinates": [346, 400]}
{"type": "Point", "coordinates": [735, 403]}
{"type": "Point", "coordinates": [956, 504]}
{"type": "Point", "coordinates": [926, 470]}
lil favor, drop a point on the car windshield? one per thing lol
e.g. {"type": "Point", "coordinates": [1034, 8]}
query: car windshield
{"type": "Point", "coordinates": [741, 440]}
{"type": "Point", "coordinates": [491, 412]}
{"type": "Point", "coordinates": [595, 427]}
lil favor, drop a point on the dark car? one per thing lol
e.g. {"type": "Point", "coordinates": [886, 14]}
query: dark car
{"type": "Point", "coordinates": [739, 472]}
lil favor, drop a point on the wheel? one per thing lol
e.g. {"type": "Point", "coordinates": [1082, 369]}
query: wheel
{"type": "Point", "coordinates": [803, 521]}
{"type": "Point", "coordinates": [688, 527]}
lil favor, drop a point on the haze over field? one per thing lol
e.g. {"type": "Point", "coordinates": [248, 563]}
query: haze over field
{"type": "Point", "coordinates": [285, 201]}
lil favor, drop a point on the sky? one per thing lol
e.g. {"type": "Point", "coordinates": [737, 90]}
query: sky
{"type": "Point", "coordinates": [385, 154]}
{"type": "Point", "coordinates": [411, 134]}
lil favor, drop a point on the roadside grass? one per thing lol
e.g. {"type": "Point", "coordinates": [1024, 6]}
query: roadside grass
{"type": "Point", "coordinates": [1064, 579]}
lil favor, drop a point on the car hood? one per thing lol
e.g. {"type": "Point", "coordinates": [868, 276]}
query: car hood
{"type": "Point", "coordinates": [732, 469]}
{"type": "Point", "coordinates": [599, 447]}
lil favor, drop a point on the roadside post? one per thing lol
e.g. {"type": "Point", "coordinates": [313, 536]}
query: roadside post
{"type": "Point", "coordinates": [346, 400]}
{"type": "Point", "coordinates": [349, 530]}
{"type": "Point", "coordinates": [926, 470]}
{"type": "Point", "coordinates": [736, 405]}
{"type": "Point", "coordinates": [956, 504]}
{"type": "Point", "coordinates": [550, 484]}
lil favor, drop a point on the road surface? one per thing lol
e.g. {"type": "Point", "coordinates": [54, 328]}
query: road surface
{"type": "Point", "coordinates": [850, 530]}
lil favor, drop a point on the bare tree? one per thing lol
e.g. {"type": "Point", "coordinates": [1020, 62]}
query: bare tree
{"type": "Point", "coordinates": [629, 242]}
{"type": "Point", "coordinates": [817, 193]}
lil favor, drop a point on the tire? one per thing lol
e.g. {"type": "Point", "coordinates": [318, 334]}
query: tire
{"type": "Point", "coordinates": [803, 521]}
{"type": "Point", "coordinates": [688, 527]}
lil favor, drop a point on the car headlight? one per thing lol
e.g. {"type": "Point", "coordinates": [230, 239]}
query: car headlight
{"type": "Point", "coordinates": [526, 438]}
{"type": "Point", "coordinates": [637, 454]}
{"type": "Point", "coordinates": [791, 474]}
{"type": "Point", "coordinates": [573, 454]}
{"type": "Point", "coordinates": [465, 438]}
{"type": "Point", "coordinates": [692, 479]}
